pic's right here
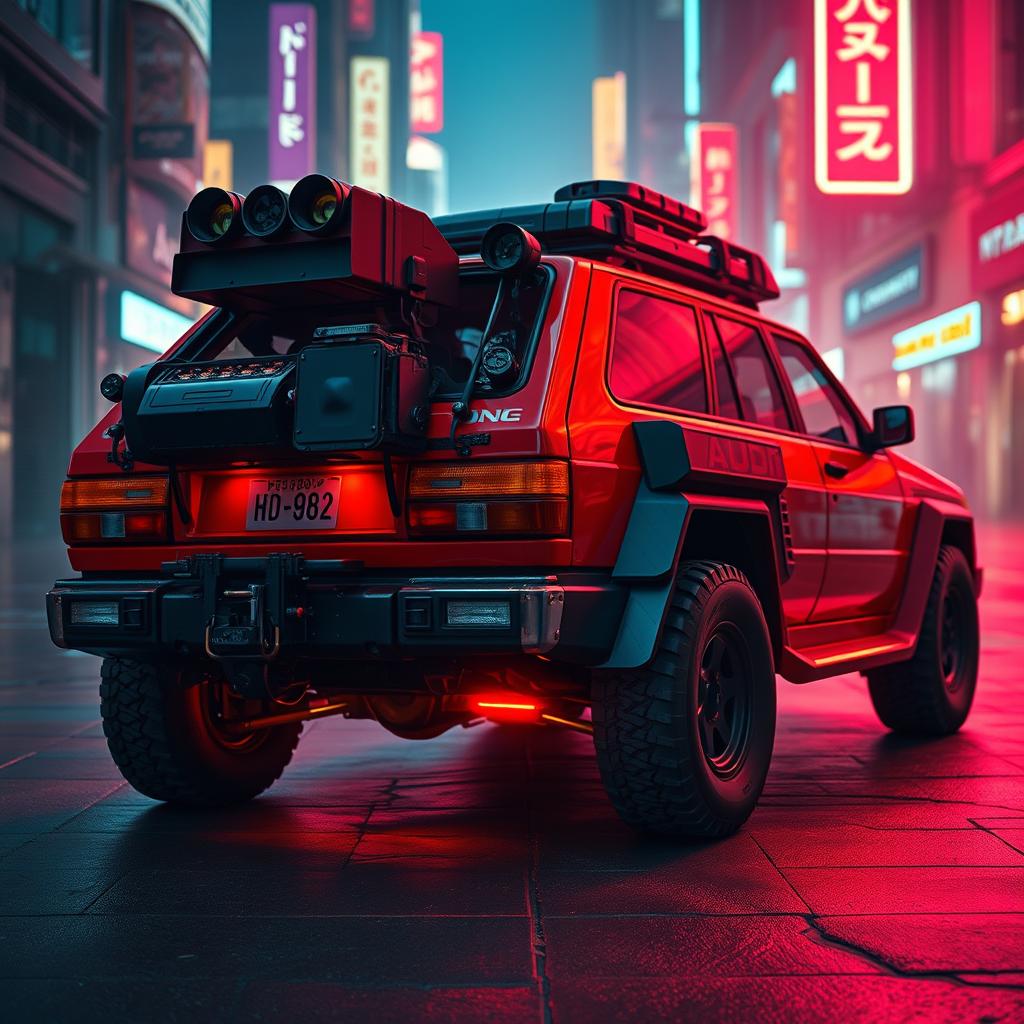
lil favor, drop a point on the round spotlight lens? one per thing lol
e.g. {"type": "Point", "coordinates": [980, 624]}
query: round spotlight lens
{"type": "Point", "coordinates": [220, 222]}
{"type": "Point", "coordinates": [112, 387]}
{"type": "Point", "coordinates": [213, 215]}
{"type": "Point", "coordinates": [265, 211]}
{"type": "Point", "coordinates": [509, 249]}
{"type": "Point", "coordinates": [317, 204]}
{"type": "Point", "coordinates": [324, 208]}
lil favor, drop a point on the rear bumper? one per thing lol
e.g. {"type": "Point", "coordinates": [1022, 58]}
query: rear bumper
{"type": "Point", "coordinates": [282, 607]}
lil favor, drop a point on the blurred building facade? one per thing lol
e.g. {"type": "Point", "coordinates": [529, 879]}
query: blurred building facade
{"type": "Point", "coordinates": [861, 269]}
{"type": "Point", "coordinates": [643, 41]}
{"type": "Point", "coordinates": [105, 115]}
{"type": "Point", "coordinates": [104, 112]}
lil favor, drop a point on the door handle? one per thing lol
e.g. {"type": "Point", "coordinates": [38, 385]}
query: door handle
{"type": "Point", "coordinates": [836, 470]}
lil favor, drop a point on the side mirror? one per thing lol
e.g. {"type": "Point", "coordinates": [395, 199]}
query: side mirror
{"type": "Point", "coordinates": [891, 425]}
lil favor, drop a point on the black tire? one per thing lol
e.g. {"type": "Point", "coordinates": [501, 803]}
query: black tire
{"type": "Point", "coordinates": [931, 694]}
{"type": "Point", "coordinates": [673, 760]}
{"type": "Point", "coordinates": [162, 736]}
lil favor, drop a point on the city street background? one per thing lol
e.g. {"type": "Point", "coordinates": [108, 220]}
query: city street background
{"type": "Point", "coordinates": [484, 875]}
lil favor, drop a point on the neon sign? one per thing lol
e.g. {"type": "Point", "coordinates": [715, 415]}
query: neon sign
{"type": "Point", "coordinates": [715, 177]}
{"type": "Point", "coordinates": [863, 97]}
{"type": "Point", "coordinates": [948, 334]}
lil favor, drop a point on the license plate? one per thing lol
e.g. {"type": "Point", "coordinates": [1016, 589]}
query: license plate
{"type": "Point", "coordinates": [293, 503]}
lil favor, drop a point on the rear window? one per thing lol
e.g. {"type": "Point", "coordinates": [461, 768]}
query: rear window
{"type": "Point", "coordinates": [656, 354]}
{"type": "Point", "coordinates": [451, 342]}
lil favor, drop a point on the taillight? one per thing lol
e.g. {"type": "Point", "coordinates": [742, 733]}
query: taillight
{"type": "Point", "coordinates": [119, 508]}
{"type": "Point", "coordinates": [489, 499]}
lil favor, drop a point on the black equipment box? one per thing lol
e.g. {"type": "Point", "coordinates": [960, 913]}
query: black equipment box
{"type": "Point", "coordinates": [369, 389]}
{"type": "Point", "coordinates": [212, 408]}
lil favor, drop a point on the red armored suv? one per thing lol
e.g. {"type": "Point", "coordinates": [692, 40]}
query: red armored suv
{"type": "Point", "coordinates": [518, 465]}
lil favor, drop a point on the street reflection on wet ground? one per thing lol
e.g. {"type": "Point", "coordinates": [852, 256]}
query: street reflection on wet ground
{"type": "Point", "coordinates": [482, 876]}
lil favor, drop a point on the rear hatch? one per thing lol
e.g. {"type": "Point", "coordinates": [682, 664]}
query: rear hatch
{"type": "Point", "coordinates": [507, 503]}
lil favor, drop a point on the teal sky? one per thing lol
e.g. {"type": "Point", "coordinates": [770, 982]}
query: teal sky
{"type": "Point", "coordinates": [517, 96]}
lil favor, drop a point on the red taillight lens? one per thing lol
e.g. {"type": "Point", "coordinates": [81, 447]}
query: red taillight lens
{"type": "Point", "coordinates": [98, 511]}
{"type": "Point", "coordinates": [489, 499]}
{"type": "Point", "coordinates": [490, 517]}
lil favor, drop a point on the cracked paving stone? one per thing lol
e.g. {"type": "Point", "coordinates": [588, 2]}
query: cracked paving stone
{"type": "Point", "coordinates": [935, 942]}
{"type": "Point", "coordinates": [781, 1000]}
{"type": "Point", "coordinates": [856, 846]}
{"type": "Point", "coordinates": [941, 890]}
{"type": "Point", "coordinates": [653, 947]}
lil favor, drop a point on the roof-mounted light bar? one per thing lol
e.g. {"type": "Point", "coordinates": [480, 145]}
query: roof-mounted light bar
{"type": "Point", "coordinates": [629, 225]}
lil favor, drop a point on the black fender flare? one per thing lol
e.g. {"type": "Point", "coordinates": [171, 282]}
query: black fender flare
{"type": "Point", "coordinates": [685, 469]}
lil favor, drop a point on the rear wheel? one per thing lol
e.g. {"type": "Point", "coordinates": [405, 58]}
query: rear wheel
{"type": "Point", "coordinates": [684, 743]}
{"type": "Point", "coordinates": [169, 741]}
{"type": "Point", "coordinates": [931, 694]}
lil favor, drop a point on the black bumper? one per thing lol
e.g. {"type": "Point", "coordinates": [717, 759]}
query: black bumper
{"type": "Point", "coordinates": [285, 607]}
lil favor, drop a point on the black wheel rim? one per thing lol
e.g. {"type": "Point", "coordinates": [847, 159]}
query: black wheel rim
{"type": "Point", "coordinates": [953, 639]}
{"type": "Point", "coordinates": [724, 700]}
{"type": "Point", "coordinates": [218, 706]}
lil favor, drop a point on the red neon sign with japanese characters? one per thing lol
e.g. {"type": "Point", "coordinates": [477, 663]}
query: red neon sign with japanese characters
{"type": "Point", "coordinates": [426, 83]}
{"type": "Point", "coordinates": [863, 132]}
{"type": "Point", "coordinates": [714, 184]}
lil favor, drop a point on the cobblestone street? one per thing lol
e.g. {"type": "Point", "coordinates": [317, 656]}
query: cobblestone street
{"type": "Point", "coordinates": [483, 876]}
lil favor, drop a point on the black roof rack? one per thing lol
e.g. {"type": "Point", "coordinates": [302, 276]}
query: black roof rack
{"type": "Point", "coordinates": [630, 225]}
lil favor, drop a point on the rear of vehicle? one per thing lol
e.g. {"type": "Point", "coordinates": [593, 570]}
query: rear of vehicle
{"type": "Point", "coordinates": [346, 490]}
{"type": "Point", "coordinates": [386, 477]}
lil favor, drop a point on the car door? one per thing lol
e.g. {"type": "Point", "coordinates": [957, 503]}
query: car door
{"type": "Point", "coordinates": [747, 389]}
{"type": "Point", "coordinates": [866, 525]}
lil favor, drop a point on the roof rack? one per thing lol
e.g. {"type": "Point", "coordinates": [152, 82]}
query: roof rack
{"type": "Point", "coordinates": [630, 225]}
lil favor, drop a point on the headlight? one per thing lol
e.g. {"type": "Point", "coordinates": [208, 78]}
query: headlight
{"type": "Point", "coordinates": [214, 215]}
{"type": "Point", "coordinates": [317, 204]}
{"type": "Point", "coordinates": [265, 211]}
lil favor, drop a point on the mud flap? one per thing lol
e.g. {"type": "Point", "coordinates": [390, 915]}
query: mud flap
{"type": "Point", "coordinates": [647, 561]}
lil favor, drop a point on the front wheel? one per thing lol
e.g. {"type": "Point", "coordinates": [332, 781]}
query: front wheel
{"type": "Point", "coordinates": [931, 694]}
{"type": "Point", "coordinates": [684, 743]}
{"type": "Point", "coordinates": [167, 738]}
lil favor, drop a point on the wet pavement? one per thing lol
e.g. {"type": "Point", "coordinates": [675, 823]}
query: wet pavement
{"type": "Point", "coordinates": [483, 876]}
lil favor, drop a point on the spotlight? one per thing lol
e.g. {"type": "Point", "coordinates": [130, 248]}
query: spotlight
{"type": "Point", "coordinates": [265, 211]}
{"type": "Point", "coordinates": [317, 204]}
{"type": "Point", "coordinates": [112, 387]}
{"type": "Point", "coordinates": [509, 249]}
{"type": "Point", "coordinates": [213, 215]}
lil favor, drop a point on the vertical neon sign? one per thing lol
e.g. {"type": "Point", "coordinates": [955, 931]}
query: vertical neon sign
{"type": "Point", "coordinates": [292, 91]}
{"type": "Point", "coordinates": [863, 97]}
{"type": "Point", "coordinates": [715, 177]}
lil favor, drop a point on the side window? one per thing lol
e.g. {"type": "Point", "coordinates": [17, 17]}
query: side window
{"type": "Point", "coordinates": [728, 406]}
{"type": "Point", "coordinates": [824, 413]}
{"type": "Point", "coordinates": [656, 356]}
{"type": "Point", "coordinates": [757, 388]}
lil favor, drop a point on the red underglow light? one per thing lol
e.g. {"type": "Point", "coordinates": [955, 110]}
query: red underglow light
{"type": "Point", "coordinates": [505, 707]}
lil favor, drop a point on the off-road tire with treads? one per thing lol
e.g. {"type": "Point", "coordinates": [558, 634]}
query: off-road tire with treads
{"type": "Point", "coordinates": [163, 745]}
{"type": "Point", "coordinates": [647, 727]}
{"type": "Point", "coordinates": [915, 697]}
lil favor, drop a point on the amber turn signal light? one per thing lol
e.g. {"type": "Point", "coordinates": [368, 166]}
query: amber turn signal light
{"type": "Point", "coordinates": [119, 492]}
{"type": "Point", "coordinates": [489, 479]}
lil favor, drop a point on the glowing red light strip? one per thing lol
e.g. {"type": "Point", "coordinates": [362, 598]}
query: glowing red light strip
{"type": "Point", "coordinates": [865, 652]}
{"type": "Point", "coordinates": [506, 707]}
